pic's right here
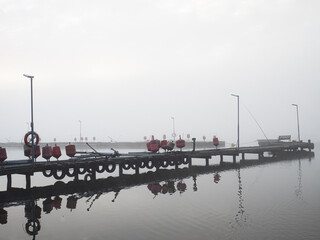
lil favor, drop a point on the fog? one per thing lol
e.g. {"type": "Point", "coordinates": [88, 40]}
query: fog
{"type": "Point", "coordinates": [125, 68]}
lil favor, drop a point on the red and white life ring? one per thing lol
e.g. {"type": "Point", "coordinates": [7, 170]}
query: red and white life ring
{"type": "Point", "coordinates": [28, 138]}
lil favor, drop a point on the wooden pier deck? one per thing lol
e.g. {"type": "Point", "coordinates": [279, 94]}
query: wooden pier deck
{"type": "Point", "coordinates": [90, 166]}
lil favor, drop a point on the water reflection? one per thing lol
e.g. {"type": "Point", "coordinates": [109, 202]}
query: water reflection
{"type": "Point", "coordinates": [163, 181]}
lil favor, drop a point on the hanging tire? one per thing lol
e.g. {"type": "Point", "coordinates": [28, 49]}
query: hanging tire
{"type": "Point", "coordinates": [172, 162]}
{"type": "Point", "coordinates": [73, 173]}
{"type": "Point", "coordinates": [110, 167]}
{"type": "Point", "coordinates": [44, 172]}
{"type": "Point", "coordinates": [88, 177]}
{"type": "Point", "coordinates": [186, 160]}
{"type": "Point", "coordinates": [100, 167]}
{"type": "Point", "coordinates": [56, 175]}
{"type": "Point", "coordinates": [165, 163]}
{"type": "Point", "coordinates": [84, 168]}
{"type": "Point", "coordinates": [126, 165]}
{"type": "Point", "coordinates": [149, 164]}
{"type": "Point", "coordinates": [142, 164]}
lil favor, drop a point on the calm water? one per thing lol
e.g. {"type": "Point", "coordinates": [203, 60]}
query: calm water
{"type": "Point", "coordinates": [279, 200]}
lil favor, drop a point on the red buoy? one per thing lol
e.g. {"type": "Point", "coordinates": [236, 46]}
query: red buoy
{"type": "Point", "coordinates": [56, 152]}
{"type": "Point", "coordinates": [215, 141]}
{"type": "Point", "coordinates": [180, 143]}
{"type": "Point", "coordinates": [153, 145]}
{"type": "Point", "coordinates": [164, 144]}
{"type": "Point", "coordinates": [46, 152]}
{"type": "Point", "coordinates": [37, 151]}
{"type": "Point", "coordinates": [3, 154]}
{"type": "Point", "coordinates": [71, 150]}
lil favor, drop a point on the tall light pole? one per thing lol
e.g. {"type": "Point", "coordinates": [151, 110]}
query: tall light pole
{"type": "Point", "coordinates": [174, 131]}
{"type": "Point", "coordinates": [237, 96]}
{"type": "Point", "coordinates": [296, 105]}
{"type": "Point", "coordinates": [32, 127]}
{"type": "Point", "coordinates": [80, 130]}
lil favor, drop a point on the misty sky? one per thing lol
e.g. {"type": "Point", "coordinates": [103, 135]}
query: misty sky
{"type": "Point", "coordinates": [125, 67]}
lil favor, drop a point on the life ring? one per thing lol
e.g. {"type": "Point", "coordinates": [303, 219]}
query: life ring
{"type": "Point", "coordinates": [33, 227]}
{"type": "Point", "coordinates": [28, 141]}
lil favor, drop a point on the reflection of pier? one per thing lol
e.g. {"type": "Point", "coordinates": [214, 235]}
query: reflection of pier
{"type": "Point", "coordinates": [162, 181]}
{"type": "Point", "coordinates": [97, 163]}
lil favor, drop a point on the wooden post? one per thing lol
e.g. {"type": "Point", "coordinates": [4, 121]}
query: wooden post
{"type": "Point", "coordinates": [190, 161]}
{"type": "Point", "coordinates": [9, 182]}
{"type": "Point", "coordinates": [28, 181]}
{"type": "Point", "coordinates": [137, 169]}
{"type": "Point", "coordinates": [221, 159]}
{"type": "Point", "coordinates": [234, 159]}
{"type": "Point", "coordinates": [120, 169]}
{"type": "Point", "coordinates": [243, 158]}
{"type": "Point", "coordinates": [76, 174]}
{"type": "Point", "coordinates": [207, 161]}
{"type": "Point", "coordinates": [194, 144]}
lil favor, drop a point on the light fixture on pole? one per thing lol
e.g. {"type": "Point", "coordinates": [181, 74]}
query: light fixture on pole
{"type": "Point", "coordinates": [237, 96]}
{"type": "Point", "coordinates": [32, 126]}
{"type": "Point", "coordinates": [296, 105]}
{"type": "Point", "coordinates": [173, 128]}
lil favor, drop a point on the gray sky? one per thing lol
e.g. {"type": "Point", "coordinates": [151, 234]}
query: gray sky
{"type": "Point", "coordinates": [125, 67]}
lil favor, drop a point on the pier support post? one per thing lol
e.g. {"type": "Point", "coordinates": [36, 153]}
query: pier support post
{"type": "Point", "coordinates": [194, 144]}
{"type": "Point", "coordinates": [9, 182]}
{"type": "Point", "coordinates": [120, 170]}
{"type": "Point", "coordinates": [190, 161]}
{"type": "Point", "coordinates": [76, 174]}
{"type": "Point", "coordinates": [243, 158]}
{"type": "Point", "coordinates": [137, 169]}
{"type": "Point", "coordinates": [221, 159]}
{"type": "Point", "coordinates": [28, 181]}
{"type": "Point", "coordinates": [260, 156]}
{"type": "Point", "coordinates": [234, 159]}
{"type": "Point", "coordinates": [207, 161]}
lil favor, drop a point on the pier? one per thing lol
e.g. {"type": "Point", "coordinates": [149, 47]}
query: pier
{"type": "Point", "coordinates": [89, 165]}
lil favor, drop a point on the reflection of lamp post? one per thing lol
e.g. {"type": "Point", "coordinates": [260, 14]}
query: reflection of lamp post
{"type": "Point", "coordinates": [296, 105]}
{"type": "Point", "coordinates": [237, 96]}
{"type": "Point", "coordinates": [32, 127]}
{"type": "Point", "coordinates": [80, 130]}
{"type": "Point", "coordinates": [174, 132]}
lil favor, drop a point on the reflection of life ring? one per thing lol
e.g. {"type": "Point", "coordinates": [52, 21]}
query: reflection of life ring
{"type": "Point", "coordinates": [28, 141]}
{"type": "Point", "coordinates": [33, 227]}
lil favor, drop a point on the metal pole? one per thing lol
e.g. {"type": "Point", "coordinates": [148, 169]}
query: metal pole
{"type": "Point", "coordinates": [238, 100]}
{"type": "Point", "coordinates": [32, 125]}
{"type": "Point", "coordinates": [80, 130]}
{"type": "Point", "coordinates": [174, 132]}
{"type": "Point", "coordinates": [297, 107]}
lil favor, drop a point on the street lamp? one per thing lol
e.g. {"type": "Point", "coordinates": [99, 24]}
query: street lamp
{"type": "Point", "coordinates": [174, 131]}
{"type": "Point", "coordinates": [237, 96]}
{"type": "Point", "coordinates": [32, 127]}
{"type": "Point", "coordinates": [80, 130]}
{"type": "Point", "coordinates": [296, 105]}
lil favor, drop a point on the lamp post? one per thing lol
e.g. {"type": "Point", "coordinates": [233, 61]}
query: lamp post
{"type": "Point", "coordinates": [237, 96]}
{"type": "Point", "coordinates": [296, 105]}
{"type": "Point", "coordinates": [80, 130]}
{"type": "Point", "coordinates": [174, 131]}
{"type": "Point", "coordinates": [32, 126]}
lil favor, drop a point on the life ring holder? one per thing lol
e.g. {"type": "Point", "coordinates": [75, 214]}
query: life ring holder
{"type": "Point", "coordinates": [29, 142]}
